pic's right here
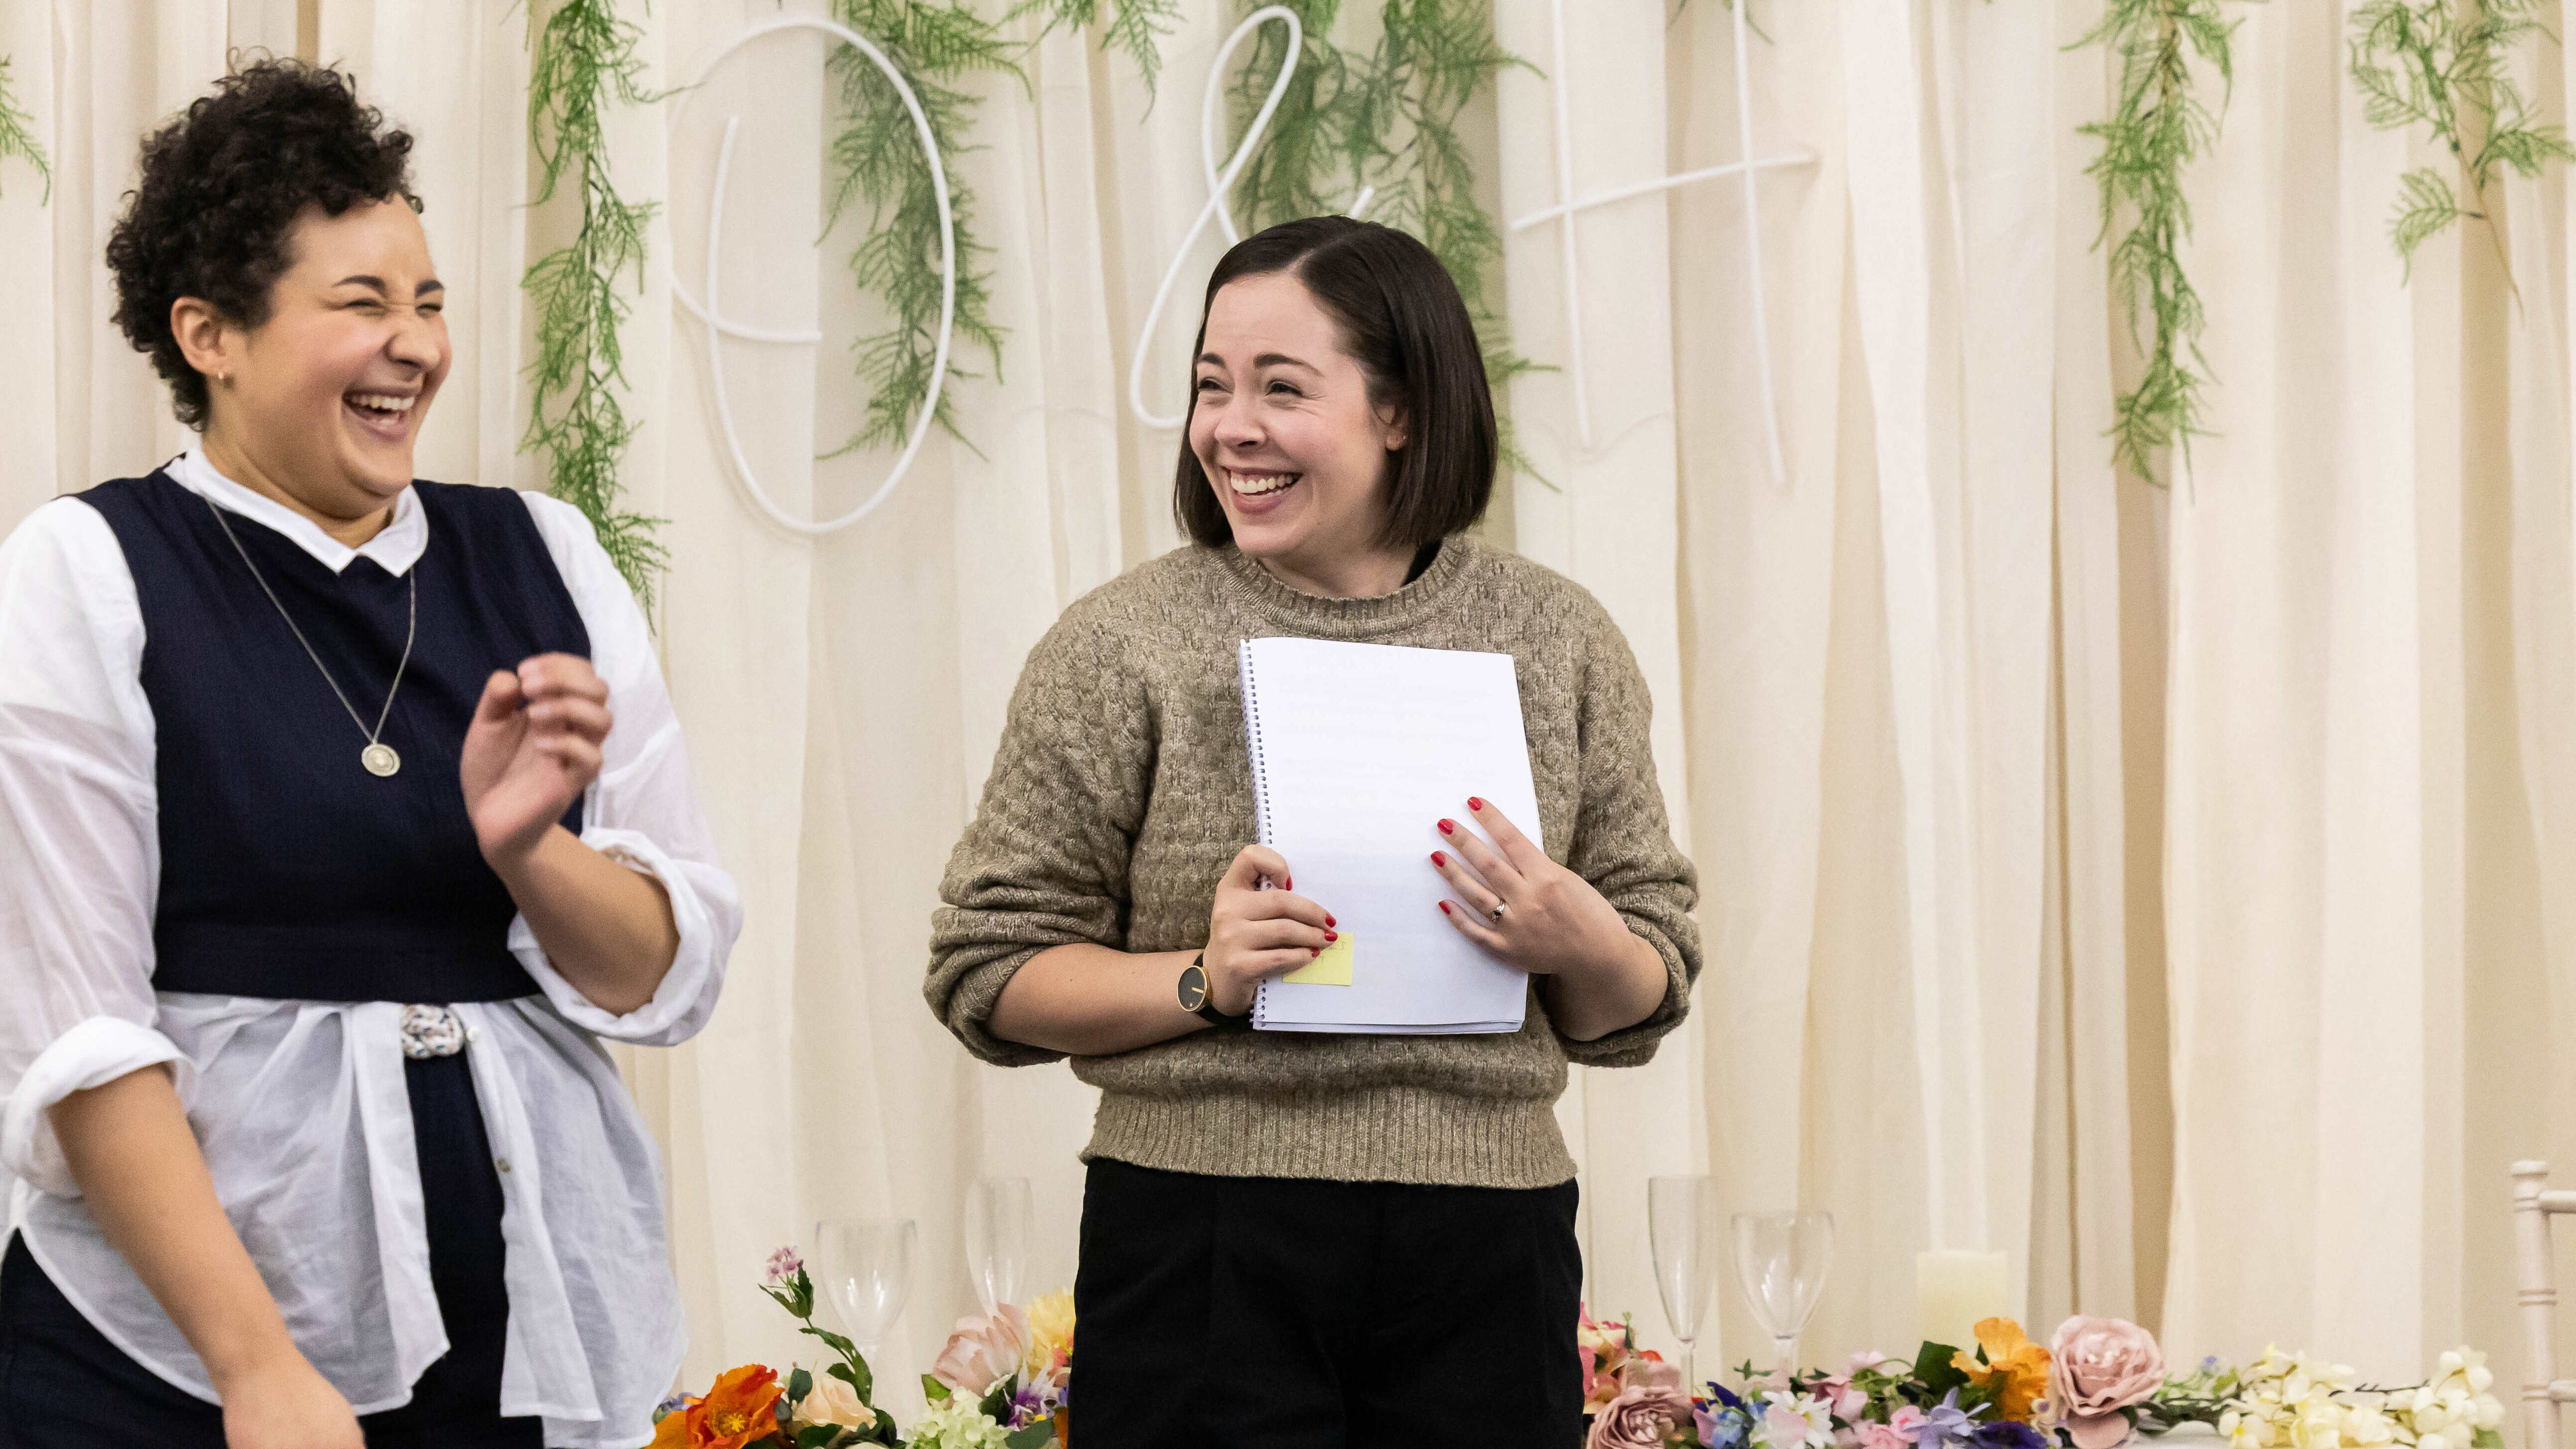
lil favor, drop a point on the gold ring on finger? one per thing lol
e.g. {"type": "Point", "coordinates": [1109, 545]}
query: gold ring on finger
{"type": "Point", "coordinates": [1498, 913]}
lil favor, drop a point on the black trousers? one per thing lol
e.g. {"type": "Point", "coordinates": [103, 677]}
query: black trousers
{"type": "Point", "coordinates": [64, 1386]}
{"type": "Point", "coordinates": [1270, 1313]}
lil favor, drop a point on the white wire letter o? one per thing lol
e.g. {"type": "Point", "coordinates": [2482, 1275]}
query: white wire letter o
{"type": "Point", "coordinates": [712, 314]}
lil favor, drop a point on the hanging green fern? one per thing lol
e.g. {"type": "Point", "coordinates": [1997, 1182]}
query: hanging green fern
{"type": "Point", "coordinates": [1387, 119]}
{"type": "Point", "coordinates": [1136, 28]}
{"type": "Point", "coordinates": [585, 58]}
{"type": "Point", "coordinates": [17, 133]}
{"type": "Point", "coordinates": [2445, 66]}
{"type": "Point", "coordinates": [2159, 124]}
{"type": "Point", "coordinates": [877, 158]}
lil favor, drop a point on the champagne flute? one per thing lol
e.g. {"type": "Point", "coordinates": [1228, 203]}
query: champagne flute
{"type": "Point", "coordinates": [998, 1218]}
{"type": "Point", "coordinates": [1681, 1220]}
{"type": "Point", "coordinates": [864, 1270]}
{"type": "Point", "coordinates": [1781, 1260]}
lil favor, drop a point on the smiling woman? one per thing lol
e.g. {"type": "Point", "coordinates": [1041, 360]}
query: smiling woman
{"type": "Point", "coordinates": [336, 809]}
{"type": "Point", "coordinates": [1308, 1240]}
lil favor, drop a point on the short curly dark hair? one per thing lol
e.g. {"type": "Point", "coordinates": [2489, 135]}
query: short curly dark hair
{"type": "Point", "coordinates": [222, 185]}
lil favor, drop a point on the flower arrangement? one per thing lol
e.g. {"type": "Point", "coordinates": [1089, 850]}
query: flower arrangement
{"type": "Point", "coordinates": [2099, 1383]}
{"type": "Point", "coordinates": [1001, 1383]}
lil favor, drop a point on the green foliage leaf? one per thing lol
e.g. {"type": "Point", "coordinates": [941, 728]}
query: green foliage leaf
{"type": "Point", "coordinates": [1136, 29]}
{"type": "Point", "coordinates": [1042, 1433]}
{"type": "Point", "coordinates": [816, 1436]}
{"type": "Point", "coordinates": [2444, 67]}
{"type": "Point", "coordinates": [799, 1384]}
{"type": "Point", "coordinates": [934, 1390]}
{"type": "Point", "coordinates": [2159, 124]}
{"type": "Point", "coordinates": [585, 58]}
{"type": "Point", "coordinates": [1938, 1373]}
{"type": "Point", "coordinates": [2487, 1439]}
{"type": "Point", "coordinates": [997, 1403]}
{"type": "Point", "coordinates": [854, 1372]}
{"type": "Point", "coordinates": [879, 167]}
{"type": "Point", "coordinates": [2425, 206]}
{"type": "Point", "coordinates": [17, 134]}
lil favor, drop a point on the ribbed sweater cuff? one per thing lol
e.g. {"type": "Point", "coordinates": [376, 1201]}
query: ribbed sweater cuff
{"type": "Point", "coordinates": [1373, 1134]}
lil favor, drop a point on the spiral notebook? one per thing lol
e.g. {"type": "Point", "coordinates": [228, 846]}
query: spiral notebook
{"type": "Point", "coordinates": [1358, 750]}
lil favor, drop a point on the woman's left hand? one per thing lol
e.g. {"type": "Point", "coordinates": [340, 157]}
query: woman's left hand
{"type": "Point", "coordinates": [532, 749]}
{"type": "Point", "coordinates": [1526, 910]}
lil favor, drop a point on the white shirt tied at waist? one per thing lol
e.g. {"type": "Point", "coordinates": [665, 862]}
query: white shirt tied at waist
{"type": "Point", "coordinates": [301, 1107]}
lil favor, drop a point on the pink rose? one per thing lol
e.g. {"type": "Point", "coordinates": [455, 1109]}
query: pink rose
{"type": "Point", "coordinates": [2096, 1368]}
{"type": "Point", "coordinates": [1649, 1372]}
{"type": "Point", "coordinates": [1883, 1436]}
{"type": "Point", "coordinates": [983, 1351]}
{"type": "Point", "coordinates": [1639, 1419]}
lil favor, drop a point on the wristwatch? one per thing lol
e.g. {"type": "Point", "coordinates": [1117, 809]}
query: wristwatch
{"type": "Point", "coordinates": [1195, 998]}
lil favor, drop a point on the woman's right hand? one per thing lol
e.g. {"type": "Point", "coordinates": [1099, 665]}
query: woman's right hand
{"type": "Point", "coordinates": [285, 1403]}
{"type": "Point", "coordinates": [1255, 934]}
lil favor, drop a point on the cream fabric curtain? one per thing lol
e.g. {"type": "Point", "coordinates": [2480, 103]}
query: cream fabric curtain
{"type": "Point", "coordinates": [2173, 889]}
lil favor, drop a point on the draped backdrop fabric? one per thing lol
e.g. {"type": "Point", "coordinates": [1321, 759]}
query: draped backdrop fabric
{"type": "Point", "coordinates": [2174, 888]}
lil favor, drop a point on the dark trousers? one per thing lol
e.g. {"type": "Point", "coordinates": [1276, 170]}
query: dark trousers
{"type": "Point", "coordinates": [1270, 1313]}
{"type": "Point", "coordinates": [64, 1386]}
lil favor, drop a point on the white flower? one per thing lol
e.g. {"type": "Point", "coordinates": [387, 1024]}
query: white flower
{"type": "Point", "coordinates": [956, 1423]}
{"type": "Point", "coordinates": [2366, 1427]}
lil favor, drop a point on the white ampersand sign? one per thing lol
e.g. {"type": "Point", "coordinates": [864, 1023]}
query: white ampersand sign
{"type": "Point", "coordinates": [719, 327]}
{"type": "Point", "coordinates": [1219, 185]}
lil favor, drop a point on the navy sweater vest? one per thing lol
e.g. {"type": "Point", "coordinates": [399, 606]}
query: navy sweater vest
{"type": "Point", "coordinates": [287, 870]}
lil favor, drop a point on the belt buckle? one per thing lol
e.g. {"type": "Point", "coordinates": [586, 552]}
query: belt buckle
{"type": "Point", "coordinates": [431, 1031]}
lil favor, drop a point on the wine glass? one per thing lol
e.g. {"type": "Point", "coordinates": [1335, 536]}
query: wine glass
{"type": "Point", "coordinates": [1681, 1219]}
{"type": "Point", "coordinates": [864, 1270]}
{"type": "Point", "coordinates": [997, 1240]}
{"type": "Point", "coordinates": [1781, 1260]}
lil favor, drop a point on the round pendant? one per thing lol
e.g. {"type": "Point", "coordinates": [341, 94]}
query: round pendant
{"type": "Point", "coordinates": [380, 759]}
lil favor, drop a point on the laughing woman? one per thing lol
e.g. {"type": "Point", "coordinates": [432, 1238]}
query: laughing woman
{"type": "Point", "coordinates": [1293, 1241]}
{"type": "Point", "coordinates": [341, 816]}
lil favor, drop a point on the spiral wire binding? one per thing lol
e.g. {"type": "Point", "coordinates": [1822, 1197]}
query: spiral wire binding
{"type": "Point", "coordinates": [1260, 793]}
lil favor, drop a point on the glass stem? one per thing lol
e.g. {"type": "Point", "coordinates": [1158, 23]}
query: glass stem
{"type": "Point", "coordinates": [1784, 1348]}
{"type": "Point", "coordinates": [1690, 1385]}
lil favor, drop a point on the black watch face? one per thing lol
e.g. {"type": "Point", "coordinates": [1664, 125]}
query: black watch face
{"type": "Point", "coordinates": [1193, 987]}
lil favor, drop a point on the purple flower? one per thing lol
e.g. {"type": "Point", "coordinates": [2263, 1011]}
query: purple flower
{"type": "Point", "coordinates": [783, 1265]}
{"type": "Point", "coordinates": [2008, 1434]}
{"type": "Point", "coordinates": [1942, 1423]}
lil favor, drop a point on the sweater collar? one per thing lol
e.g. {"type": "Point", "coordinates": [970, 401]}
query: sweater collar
{"type": "Point", "coordinates": [1427, 596]}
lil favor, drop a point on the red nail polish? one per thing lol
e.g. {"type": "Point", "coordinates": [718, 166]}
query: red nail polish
{"type": "Point", "coordinates": [1438, 859]}
{"type": "Point", "coordinates": [1330, 936]}
{"type": "Point", "coordinates": [1287, 884]}
{"type": "Point", "coordinates": [1448, 827]}
{"type": "Point", "coordinates": [1314, 950]}
{"type": "Point", "coordinates": [1444, 908]}
{"type": "Point", "coordinates": [1328, 919]}
{"type": "Point", "coordinates": [1475, 804]}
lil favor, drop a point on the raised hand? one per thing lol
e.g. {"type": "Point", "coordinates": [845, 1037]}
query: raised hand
{"type": "Point", "coordinates": [1254, 934]}
{"type": "Point", "coordinates": [531, 750]}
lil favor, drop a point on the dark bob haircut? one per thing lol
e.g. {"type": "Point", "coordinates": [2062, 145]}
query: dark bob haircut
{"type": "Point", "coordinates": [1403, 322]}
{"type": "Point", "coordinates": [222, 185]}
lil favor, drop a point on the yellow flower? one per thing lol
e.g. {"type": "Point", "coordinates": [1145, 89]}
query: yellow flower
{"type": "Point", "coordinates": [2011, 1367]}
{"type": "Point", "coordinates": [1050, 1331]}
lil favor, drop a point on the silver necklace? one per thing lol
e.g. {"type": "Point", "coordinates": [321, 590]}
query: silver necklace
{"type": "Point", "coordinates": [378, 757]}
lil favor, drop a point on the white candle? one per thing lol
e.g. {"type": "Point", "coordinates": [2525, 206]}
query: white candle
{"type": "Point", "coordinates": [1954, 1291]}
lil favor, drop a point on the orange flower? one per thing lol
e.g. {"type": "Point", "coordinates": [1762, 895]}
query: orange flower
{"type": "Point", "coordinates": [2011, 1367]}
{"type": "Point", "coordinates": [741, 1409]}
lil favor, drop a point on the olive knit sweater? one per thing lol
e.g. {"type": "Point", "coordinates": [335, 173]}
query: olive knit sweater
{"type": "Point", "coordinates": [1122, 790]}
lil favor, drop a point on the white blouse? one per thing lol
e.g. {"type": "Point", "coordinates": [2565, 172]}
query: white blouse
{"type": "Point", "coordinates": [301, 1106]}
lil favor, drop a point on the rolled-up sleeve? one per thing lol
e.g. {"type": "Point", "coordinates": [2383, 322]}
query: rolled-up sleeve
{"type": "Point", "coordinates": [1623, 844]}
{"type": "Point", "coordinates": [642, 811]}
{"type": "Point", "coordinates": [1045, 862]}
{"type": "Point", "coordinates": [79, 842]}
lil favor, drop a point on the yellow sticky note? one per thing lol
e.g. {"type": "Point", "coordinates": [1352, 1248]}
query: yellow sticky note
{"type": "Point", "coordinates": [1333, 968]}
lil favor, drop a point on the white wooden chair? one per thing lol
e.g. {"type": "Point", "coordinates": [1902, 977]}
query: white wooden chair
{"type": "Point", "coordinates": [2542, 1390]}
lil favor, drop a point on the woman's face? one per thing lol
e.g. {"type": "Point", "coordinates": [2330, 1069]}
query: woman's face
{"type": "Point", "coordinates": [326, 396]}
{"type": "Point", "coordinates": [1282, 424]}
